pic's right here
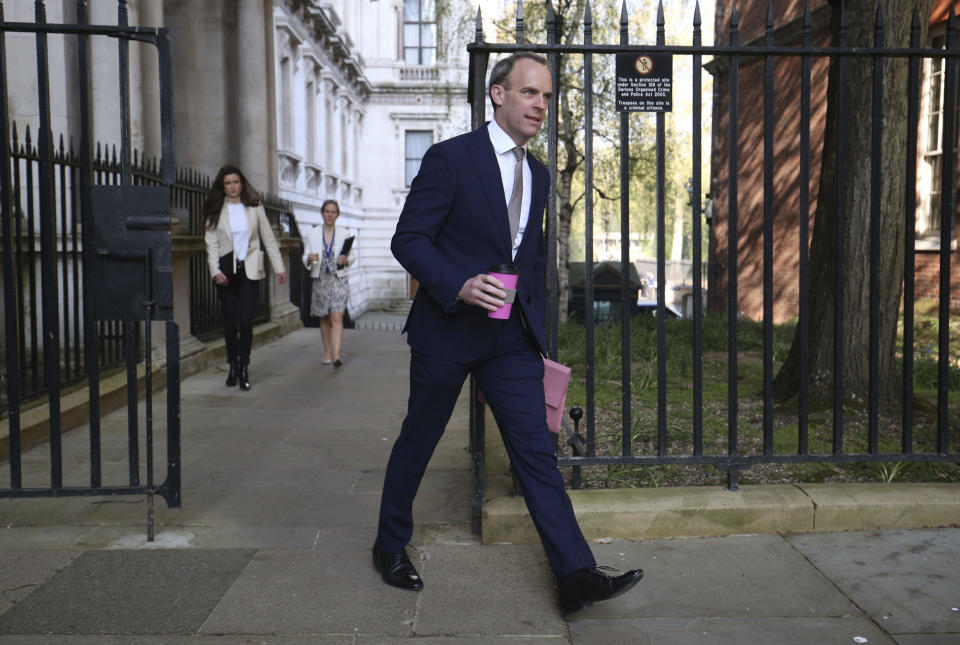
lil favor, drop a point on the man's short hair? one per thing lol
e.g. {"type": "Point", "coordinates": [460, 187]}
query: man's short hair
{"type": "Point", "coordinates": [501, 71]}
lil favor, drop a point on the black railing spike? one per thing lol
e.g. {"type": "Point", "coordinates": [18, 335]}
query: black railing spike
{"type": "Point", "coordinates": [878, 24]}
{"type": "Point", "coordinates": [624, 26]}
{"type": "Point", "coordinates": [13, 129]}
{"type": "Point", "coordinates": [26, 137]}
{"type": "Point", "coordinates": [587, 17]}
{"type": "Point", "coordinates": [807, 20]}
{"type": "Point", "coordinates": [1, 11]}
{"type": "Point", "coordinates": [61, 144]}
{"type": "Point", "coordinates": [40, 11]}
{"type": "Point", "coordinates": [114, 155]}
{"type": "Point", "coordinates": [478, 35]}
{"type": "Point", "coordinates": [770, 21]}
{"type": "Point", "coordinates": [519, 21]}
{"type": "Point", "coordinates": [734, 21]}
{"type": "Point", "coordinates": [843, 24]}
{"type": "Point", "coordinates": [122, 12]}
{"type": "Point", "coordinates": [951, 23]}
{"type": "Point", "coordinates": [551, 23]}
{"type": "Point", "coordinates": [661, 22]}
{"type": "Point", "coordinates": [697, 20]}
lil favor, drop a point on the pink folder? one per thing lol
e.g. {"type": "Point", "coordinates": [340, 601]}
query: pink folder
{"type": "Point", "coordinates": [556, 378]}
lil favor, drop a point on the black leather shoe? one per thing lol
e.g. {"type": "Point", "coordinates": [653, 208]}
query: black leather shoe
{"type": "Point", "coordinates": [232, 375]}
{"type": "Point", "coordinates": [244, 377]}
{"type": "Point", "coordinates": [584, 587]}
{"type": "Point", "coordinates": [396, 569]}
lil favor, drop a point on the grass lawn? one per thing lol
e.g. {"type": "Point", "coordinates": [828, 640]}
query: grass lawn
{"type": "Point", "coordinates": [679, 395]}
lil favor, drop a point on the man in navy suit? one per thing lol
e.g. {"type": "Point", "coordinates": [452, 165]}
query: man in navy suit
{"type": "Point", "coordinates": [455, 224]}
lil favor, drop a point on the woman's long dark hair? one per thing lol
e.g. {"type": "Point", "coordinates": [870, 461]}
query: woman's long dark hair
{"type": "Point", "coordinates": [214, 201]}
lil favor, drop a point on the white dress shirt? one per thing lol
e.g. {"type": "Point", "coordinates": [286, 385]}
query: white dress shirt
{"type": "Point", "coordinates": [240, 228]}
{"type": "Point", "coordinates": [503, 146]}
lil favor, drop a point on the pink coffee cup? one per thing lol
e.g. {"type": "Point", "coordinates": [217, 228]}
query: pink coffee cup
{"type": "Point", "coordinates": [508, 275]}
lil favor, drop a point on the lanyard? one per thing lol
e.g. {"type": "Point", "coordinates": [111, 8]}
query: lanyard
{"type": "Point", "coordinates": [328, 249]}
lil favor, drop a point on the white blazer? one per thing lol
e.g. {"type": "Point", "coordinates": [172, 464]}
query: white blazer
{"type": "Point", "coordinates": [314, 244]}
{"type": "Point", "coordinates": [220, 242]}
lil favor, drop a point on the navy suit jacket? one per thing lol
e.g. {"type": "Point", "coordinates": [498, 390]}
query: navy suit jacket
{"type": "Point", "coordinates": [454, 226]}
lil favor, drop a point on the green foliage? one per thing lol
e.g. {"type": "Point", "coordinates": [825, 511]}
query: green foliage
{"type": "Point", "coordinates": [644, 439]}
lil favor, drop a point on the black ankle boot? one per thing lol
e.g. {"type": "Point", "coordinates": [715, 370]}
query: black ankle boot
{"type": "Point", "coordinates": [244, 377]}
{"type": "Point", "coordinates": [232, 375]}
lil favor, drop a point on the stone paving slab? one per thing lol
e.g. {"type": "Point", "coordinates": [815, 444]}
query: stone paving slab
{"type": "Point", "coordinates": [173, 639]}
{"type": "Point", "coordinates": [332, 592]}
{"type": "Point", "coordinates": [927, 639]}
{"type": "Point", "coordinates": [509, 587]}
{"type": "Point", "coordinates": [729, 631]}
{"type": "Point", "coordinates": [467, 640]}
{"type": "Point", "coordinates": [908, 580]}
{"type": "Point", "coordinates": [23, 571]}
{"type": "Point", "coordinates": [740, 576]}
{"type": "Point", "coordinates": [128, 592]}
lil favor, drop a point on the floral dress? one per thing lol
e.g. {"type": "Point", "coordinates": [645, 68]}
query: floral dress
{"type": "Point", "coordinates": [330, 293]}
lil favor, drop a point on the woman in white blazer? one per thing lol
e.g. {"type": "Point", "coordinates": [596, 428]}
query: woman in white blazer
{"type": "Point", "coordinates": [331, 287]}
{"type": "Point", "coordinates": [236, 225]}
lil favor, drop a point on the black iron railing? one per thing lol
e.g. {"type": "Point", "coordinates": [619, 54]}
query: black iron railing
{"type": "Point", "coordinates": [187, 195]}
{"type": "Point", "coordinates": [731, 57]}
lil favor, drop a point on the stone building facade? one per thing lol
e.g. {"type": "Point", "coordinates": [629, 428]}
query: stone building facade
{"type": "Point", "coordinates": [314, 99]}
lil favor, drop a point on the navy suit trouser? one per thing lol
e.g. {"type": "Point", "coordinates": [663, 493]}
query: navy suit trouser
{"type": "Point", "coordinates": [511, 377]}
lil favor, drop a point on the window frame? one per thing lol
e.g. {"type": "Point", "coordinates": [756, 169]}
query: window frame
{"type": "Point", "coordinates": [408, 159]}
{"type": "Point", "coordinates": [423, 25]}
{"type": "Point", "coordinates": [931, 147]}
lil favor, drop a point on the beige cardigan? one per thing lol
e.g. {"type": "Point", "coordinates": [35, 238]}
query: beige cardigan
{"type": "Point", "coordinates": [220, 242]}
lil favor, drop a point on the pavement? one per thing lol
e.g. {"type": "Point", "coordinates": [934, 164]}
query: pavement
{"type": "Point", "coordinates": [281, 488]}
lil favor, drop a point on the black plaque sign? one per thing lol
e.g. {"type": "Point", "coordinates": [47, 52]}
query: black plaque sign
{"type": "Point", "coordinates": [644, 82]}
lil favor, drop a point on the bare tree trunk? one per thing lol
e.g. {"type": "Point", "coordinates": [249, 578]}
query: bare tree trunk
{"type": "Point", "coordinates": [854, 281]}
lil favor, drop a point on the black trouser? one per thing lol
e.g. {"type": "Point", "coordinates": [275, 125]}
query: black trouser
{"type": "Point", "coordinates": [238, 299]}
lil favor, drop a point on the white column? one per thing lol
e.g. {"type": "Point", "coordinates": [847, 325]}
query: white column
{"type": "Point", "coordinates": [150, 15]}
{"type": "Point", "coordinates": [252, 99]}
{"type": "Point", "coordinates": [343, 107]}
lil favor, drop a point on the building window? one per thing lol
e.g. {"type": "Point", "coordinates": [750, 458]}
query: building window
{"type": "Point", "coordinates": [417, 142]}
{"type": "Point", "coordinates": [419, 32]}
{"type": "Point", "coordinates": [932, 146]}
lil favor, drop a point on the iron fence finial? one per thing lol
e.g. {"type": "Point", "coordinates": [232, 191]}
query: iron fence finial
{"type": "Point", "coordinates": [478, 34]}
{"type": "Point", "coordinates": [734, 26]}
{"type": "Point", "coordinates": [843, 24]}
{"type": "Point", "coordinates": [551, 24]}
{"type": "Point", "coordinates": [661, 25]}
{"type": "Point", "coordinates": [519, 21]}
{"type": "Point", "coordinates": [915, 27]}
{"type": "Point", "coordinates": [624, 31]}
{"type": "Point", "coordinates": [697, 21]}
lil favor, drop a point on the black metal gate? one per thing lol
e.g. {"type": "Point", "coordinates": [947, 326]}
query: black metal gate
{"type": "Point", "coordinates": [733, 458]}
{"type": "Point", "coordinates": [105, 270]}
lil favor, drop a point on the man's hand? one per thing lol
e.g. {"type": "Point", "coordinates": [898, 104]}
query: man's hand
{"type": "Point", "coordinates": [220, 279]}
{"type": "Point", "coordinates": [483, 291]}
